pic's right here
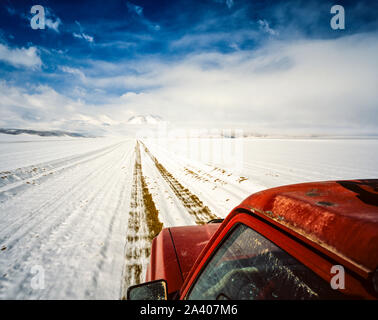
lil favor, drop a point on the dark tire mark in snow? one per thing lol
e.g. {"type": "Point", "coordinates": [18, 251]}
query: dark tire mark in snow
{"type": "Point", "coordinates": [191, 202]}
{"type": "Point", "coordinates": [143, 226]}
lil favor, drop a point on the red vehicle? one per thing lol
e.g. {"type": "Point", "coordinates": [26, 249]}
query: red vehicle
{"type": "Point", "coordinates": [304, 241]}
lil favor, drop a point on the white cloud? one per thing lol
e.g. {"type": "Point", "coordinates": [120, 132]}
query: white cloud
{"type": "Point", "coordinates": [83, 36]}
{"type": "Point", "coordinates": [49, 21]}
{"type": "Point", "coordinates": [46, 109]}
{"type": "Point", "coordinates": [54, 25]}
{"type": "Point", "coordinates": [134, 8]}
{"type": "Point", "coordinates": [139, 11]}
{"type": "Point", "coordinates": [73, 71]}
{"type": "Point", "coordinates": [312, 85]}
{"type": "Point", "coordinates": [229, 3]}
{"type": "Point", "coordinates": [87, 37]}
{"type": "Point", "coordinates": [20, 57]}
{"type": "Point", "coordinates": [303, 84]}
{"type": "Point", "coordinates": [208, 40]}
{"type": "Point", "coordinates": [264, 25]}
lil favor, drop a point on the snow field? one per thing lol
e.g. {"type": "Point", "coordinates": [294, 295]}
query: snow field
{"type": "Point", "coordinates": [75, 209]}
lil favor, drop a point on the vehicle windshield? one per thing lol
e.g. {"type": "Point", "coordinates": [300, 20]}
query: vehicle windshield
{"type": "Point", "coordinates": [248, 266]}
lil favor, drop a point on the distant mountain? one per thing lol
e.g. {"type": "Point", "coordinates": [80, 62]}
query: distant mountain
{"type": "Point", "coordinates": [53, 133]}
{"type": "Point", "coordinates": [145, 119]}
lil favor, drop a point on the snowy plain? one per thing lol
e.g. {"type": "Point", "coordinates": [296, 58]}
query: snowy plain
{"type": "Point", "coordinates": [65, 203]}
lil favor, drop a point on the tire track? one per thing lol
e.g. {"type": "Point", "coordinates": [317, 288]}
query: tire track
{"type": "Point", "coordinates": [143, 226]}
{"type": "Point", "coordinates": [191, 202]}
{"type": "Point", "coordinates": [65, 227]}
{"type": "Point", "coordinates": [18, 178]}
{"type": "Point", "coordinates": [57, 199]}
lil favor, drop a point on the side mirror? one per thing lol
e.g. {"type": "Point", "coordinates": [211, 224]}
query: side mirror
{"type": "Point", "coordinates": [153, 290]}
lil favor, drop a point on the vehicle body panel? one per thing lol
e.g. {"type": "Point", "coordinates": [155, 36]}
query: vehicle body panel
{"type": "Point", "coordinates": [189, 242]}
{"type": "Point", "coordinates": [313, 260]}
{"type": "Point", "coordinates": [340, 216]}
{"type": "Point", "coordinates": [163, 261]}
{"type": "Point", "coordinates": [320, 224]}
{"type": "Point", "coordinates": [174, 252]}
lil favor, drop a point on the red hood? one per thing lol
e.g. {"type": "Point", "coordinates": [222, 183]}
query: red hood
{"type": "Point", "coordinates": [341, 216]}
{"type": "Point", "coordinates": [189, 242]}
{"type": "Point", "coordinates": [174, 252]}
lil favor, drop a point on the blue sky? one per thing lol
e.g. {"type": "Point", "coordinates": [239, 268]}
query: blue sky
{"type": "Point", "coordinates": [263, 65]}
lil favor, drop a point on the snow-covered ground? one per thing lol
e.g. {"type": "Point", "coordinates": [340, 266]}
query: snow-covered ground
{"type": "Point", "coordinates": [73, 216]}
{"type": "Point", "coordinates": [67, 216]}
{"type": "Point", "coordinates": [222, 172]}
